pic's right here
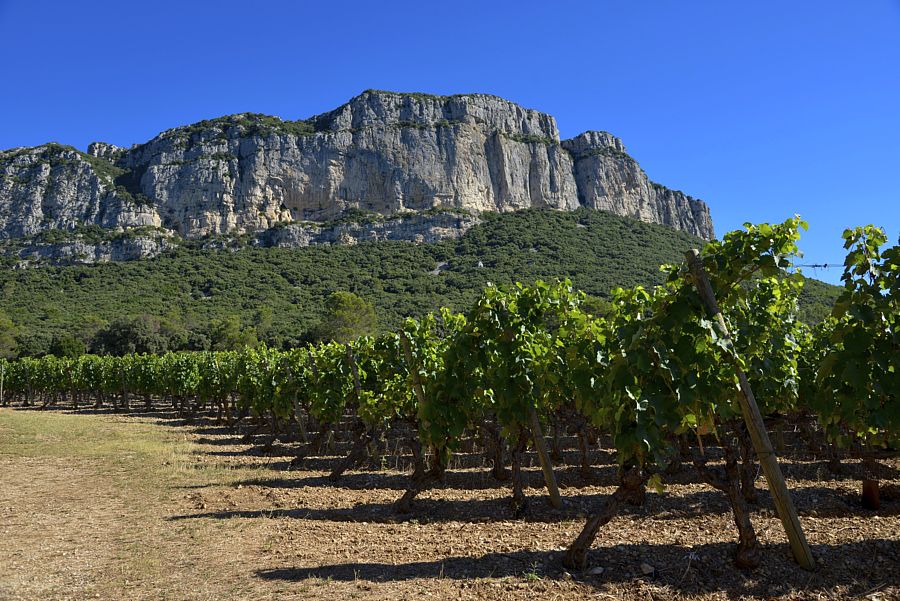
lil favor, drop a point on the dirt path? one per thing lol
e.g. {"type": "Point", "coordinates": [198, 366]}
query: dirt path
{"type": "Point", "coordinates": [112, 507]}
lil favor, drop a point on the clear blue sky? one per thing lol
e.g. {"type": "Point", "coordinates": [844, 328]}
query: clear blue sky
{"type": "Point", "coordinates": [763, 109]}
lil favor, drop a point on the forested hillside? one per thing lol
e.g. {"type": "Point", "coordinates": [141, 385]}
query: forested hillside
{"type": "Point", "coordinates": [187, 298]}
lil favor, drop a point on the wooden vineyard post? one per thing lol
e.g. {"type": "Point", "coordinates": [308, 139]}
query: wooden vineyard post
{"type": "Point", "coordinates": [540, 445]}
{"type": "Point", "coordinates": [298, 414]}
{"type": "Point", "coordinates": [417, 384]}
{"type": "Point", "coordinates": [761, 443]}
{"type": "Point", "coordinates": [28, 386]}
{"type": "Point", "coordinates": [354, 370]}
{"type": "Point", "coordinates": [124, 390]}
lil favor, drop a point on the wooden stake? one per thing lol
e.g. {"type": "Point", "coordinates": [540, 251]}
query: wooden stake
{"type": "Point", "coordinates": [413, 369]}
{"type": "Point", "coordinates": [354, 370]}
{"type": "Point", "coordinates": [761, 443]}
{"type": "Point", "coordinates": [540, 445]}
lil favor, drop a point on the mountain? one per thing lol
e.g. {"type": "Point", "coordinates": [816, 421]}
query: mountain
{"type": "Point", "coordinates": [382, 153]}
{"type": "Point", "coordinates": [280, 291]}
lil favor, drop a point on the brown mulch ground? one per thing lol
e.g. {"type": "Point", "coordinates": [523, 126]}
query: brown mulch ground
{"type": "Point", "coordinates": [215, 519]}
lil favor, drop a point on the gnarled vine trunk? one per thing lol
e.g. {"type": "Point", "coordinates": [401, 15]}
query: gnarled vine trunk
{"type": "Point", "coordinates": [632, 485]}
{"type": "Point", "coordinates": [729, 482]}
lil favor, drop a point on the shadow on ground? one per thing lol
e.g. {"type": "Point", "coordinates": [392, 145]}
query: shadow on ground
{"type": "Point", "coordinates": [857, 568]}
{"type": "Point", "coordinates": [810, 502]}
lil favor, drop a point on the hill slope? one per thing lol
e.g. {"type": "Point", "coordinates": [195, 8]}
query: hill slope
{"type": "Point", "coordinates": [190, 287]}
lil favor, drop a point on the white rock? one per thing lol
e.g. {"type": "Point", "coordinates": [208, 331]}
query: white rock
{"type": "Point", "coordinates": [380, 152]}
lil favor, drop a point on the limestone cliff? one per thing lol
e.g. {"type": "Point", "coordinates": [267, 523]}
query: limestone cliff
{"type": "Point", "coordinates": [610, 180]}
{"type": "Point", "coordinates": [54, 187]}
{"type": "Point", "coordinates": [382, 152]}
{"type": "Point", "coordinates": [411, 228]}
{"type": "Point", "coordinates": [78, 251]}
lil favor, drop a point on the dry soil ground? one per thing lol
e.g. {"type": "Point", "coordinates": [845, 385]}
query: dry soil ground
{"type": "Point", "coordinates": [147, 507]}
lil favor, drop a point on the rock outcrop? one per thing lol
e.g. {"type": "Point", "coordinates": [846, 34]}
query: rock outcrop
{"type": "Point", "coordinates": [82, 252]}
{"type": "Point", "coordinates": [381, 152]}
{"type": "Point", "coordinates": [414, 228]}
{"type": "Point", "coordinates": [54, 187]}
{"type": "Point", "coordinates": [610, 180]}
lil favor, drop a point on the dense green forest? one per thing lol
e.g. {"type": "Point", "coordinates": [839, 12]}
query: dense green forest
{"type": "Point", "coordinates": [194, 298]}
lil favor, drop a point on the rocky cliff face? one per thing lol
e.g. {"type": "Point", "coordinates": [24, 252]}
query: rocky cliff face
{"type": "Point", "coordinates": [415, 228]}
{"type": "Point", "coordinates": [381, 152]}
{"type": "Point", "coordinates": [610, 180]}
{"type": "Point", "coordinates": [82, 252]}
{"type": "Point", "coordinates": [53, 187]}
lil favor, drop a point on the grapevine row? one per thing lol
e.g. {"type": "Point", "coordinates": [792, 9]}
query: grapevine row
{"type": "Point", "coordinates": [650, 370]}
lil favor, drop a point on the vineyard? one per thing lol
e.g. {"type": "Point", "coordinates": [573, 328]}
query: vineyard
{"type": "Point", "coordinates": [657, 381]}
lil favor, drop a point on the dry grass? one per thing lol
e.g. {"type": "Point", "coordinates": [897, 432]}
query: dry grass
{"type": "Point", "coordinates": [143, 507]}
{"type": "Point", "coordinates": [83, 507]}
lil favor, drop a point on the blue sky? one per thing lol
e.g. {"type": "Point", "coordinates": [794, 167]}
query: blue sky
{"type": "Point", "coordinates": [763, 109]}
